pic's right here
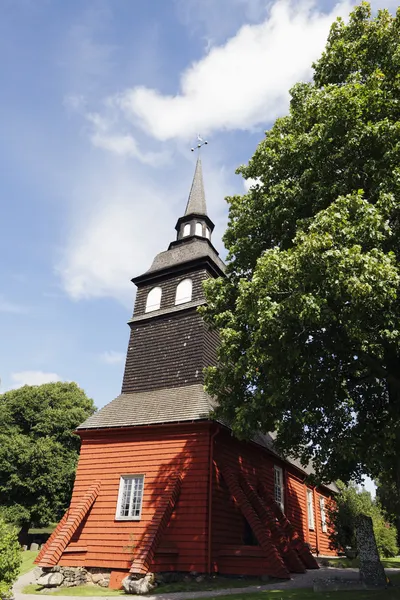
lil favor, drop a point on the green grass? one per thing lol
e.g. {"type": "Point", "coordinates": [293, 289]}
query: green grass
{"type": "Point", "coordinates": [38, 530]}
{"type": "Point", "coordinates": [296, 594]}
{"type": "Point", "coordinates": [27, 561]}
{"type": "Point", "coordinates": [217, 583]}
{"type": "Point", "coordinates": [345, 563]}
{"type": "Point", "coordinates": [79, 590]}
{"type": "Point", "coordinates": [308, 594]}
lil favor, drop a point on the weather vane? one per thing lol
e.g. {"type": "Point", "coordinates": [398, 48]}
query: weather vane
{"type": "Point", "coordinates": [200, 143]}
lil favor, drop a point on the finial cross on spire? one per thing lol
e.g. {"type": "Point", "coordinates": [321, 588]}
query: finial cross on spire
{"type": "Point", "coordinates": [200, 143]}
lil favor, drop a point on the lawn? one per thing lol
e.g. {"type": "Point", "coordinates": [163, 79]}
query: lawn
{"type": "Point", "coordinates": [299, 594]}
{"type": "Point", "coordinates": [27, 561]}
{"type": "Point", "coordinates": [308, 594]}
{"type": "Point", "coordinates": [79, 590]}
{"type": "Point", "coordinates": [217, 583]}
{"type": "Point", "coordinates": [345, 563]}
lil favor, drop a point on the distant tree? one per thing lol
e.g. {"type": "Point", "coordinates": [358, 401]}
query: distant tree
{"type": "Point", "coordinates": [350, 503]}
{"type": "Point", "coordinates": [389, 499]}
{"type": "Point", "coordinates": [39, 450]}
{"type": "Point", "coordinates": [10, 558]}
{"type": "Point", "coordinates": [309, 315]}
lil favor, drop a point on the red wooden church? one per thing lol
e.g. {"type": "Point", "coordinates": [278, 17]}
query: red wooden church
{"type": "Point", "coordinates": [162, 487]}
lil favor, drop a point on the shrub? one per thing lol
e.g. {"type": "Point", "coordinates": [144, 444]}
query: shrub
{"type": "Point", "coordinates": [10, 558]}
{"type": "Point", "coordinates": [350, 503]}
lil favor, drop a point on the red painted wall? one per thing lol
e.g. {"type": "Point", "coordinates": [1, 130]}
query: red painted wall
{"type": "Point", "coordinates": [156, 452]}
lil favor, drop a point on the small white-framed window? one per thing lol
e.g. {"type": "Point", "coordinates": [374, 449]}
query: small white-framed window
{"type": "Point", "coordinates": [310, 509]}
{"type": "Point", "coordinates": [183, 291]}
{"type": "Point", "coordinates": [153, 300]}
{"type": "Point", "coordinates": [279, 488]}
{"type": "Point", "coordinates": [208, 234]}
{"type": "Point", "coordinates": [199, 229]}
{"type": "Point", "coordinates": [324, 526]}
{"type": "Point", "coordinates": [186, 229]}
{"type": "Point", "coordinates": [130, 498]}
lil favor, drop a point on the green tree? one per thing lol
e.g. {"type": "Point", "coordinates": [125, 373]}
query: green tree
{"type": "Point", "coordinates": [309, 316]}
{"type": "Point", "coordinates": [10, 558]}
{"type": "Point", "coordinates": [351, 502]}
{"type": "Point", "coordinates": [39, 450]}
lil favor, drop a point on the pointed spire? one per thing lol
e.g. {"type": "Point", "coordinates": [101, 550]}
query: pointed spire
{"type": "Point", "coordinates": [197, 201]}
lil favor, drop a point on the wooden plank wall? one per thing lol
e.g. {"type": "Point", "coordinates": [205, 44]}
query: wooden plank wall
{"type": "Point", "coordinates": [157, 453]}
{"type": "Point", "coordinates": [258, 464]}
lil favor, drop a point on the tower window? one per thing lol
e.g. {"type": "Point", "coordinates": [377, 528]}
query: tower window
{"type": "Point", "coordinates": [130, 497]}
{"type": "Point", "coordinates": [186, 230]}
{"type": "Point", "coordinates": [208, 235]}
{"type": "Point", "coordinates": [183, 292]}
{"type": "Point", "coordinates": [199, 229]}
{"type": "Point", "coordinates": [153, 299]}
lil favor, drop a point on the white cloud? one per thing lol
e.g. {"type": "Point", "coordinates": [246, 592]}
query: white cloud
{"type": "Point", "coordinates": [111, 357]}
{"type": "Point", "coordinates": [240, 84]}
{"type": "Point", "coordinates": [32, 378]}
{"type": "Point", "coordinates": [122, 144]}
{"type": "Point", "coordinates": [11, 307]}
{"type": "Point", "coordinates": [118, 227]}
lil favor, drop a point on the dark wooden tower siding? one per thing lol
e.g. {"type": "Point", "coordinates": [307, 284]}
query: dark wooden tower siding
{"type": "Point", "coordinates": [159, 485]}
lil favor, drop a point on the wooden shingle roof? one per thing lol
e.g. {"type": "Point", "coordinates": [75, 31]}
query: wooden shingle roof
{"type": "Point", "coordinates": [166, 405]}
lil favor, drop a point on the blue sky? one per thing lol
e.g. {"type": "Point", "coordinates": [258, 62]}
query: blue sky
{"type": "Point", "coordinates": [101, 101]}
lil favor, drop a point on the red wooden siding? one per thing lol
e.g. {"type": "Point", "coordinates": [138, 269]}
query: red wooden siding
{"type": "Point", "coordinates": [158, 453]}
{"type": "Point", "coordinates": [172, 533]}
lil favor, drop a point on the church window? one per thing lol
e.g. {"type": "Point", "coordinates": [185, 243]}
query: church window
{"type": "Point", "coordinates": [323, 515]}
{"type": "Point", "coordinates": [130, 497]}
{"type": "Point", "coordinates": [184, 292]}
{"type": "Point", "coordinates": [278, 487]}
{"type": "Point", "coordinates": [310, 510]}
{"type": "Point", "coordinates": [199, 229]}
{"type": "Point", "coordinates": [153, 299]}
{"type": "Point", "coordinates": [186, 230]}
{"type": "Point", "coordinates": [207, 233]}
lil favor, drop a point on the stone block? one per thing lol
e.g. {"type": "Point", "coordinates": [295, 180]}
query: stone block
{"type": "Point", "coordinates": [139, 586]}
{"type": "Point", "coordinates": [50, 579]}
{"type": "Point", "coordinates": [34, 547]}
{"type": "Point", "coordinates": [372, 572]}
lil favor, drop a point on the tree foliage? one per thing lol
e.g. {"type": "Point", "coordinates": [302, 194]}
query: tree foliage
{"type": "Point", "coordinates": [309, 316]}
{"type": "Point", "coordinates": [350, 503]}
{"type": "Point", "coordinates": [10, 558]}
{"type": "Point", "coordinates": [39, 450]}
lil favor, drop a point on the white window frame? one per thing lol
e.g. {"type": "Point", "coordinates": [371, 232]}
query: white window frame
{"type": "Point", "coordinates": [279, 488]}
{"type": "Point", "coordinates": [122, 482]}
{"type": "Point", "coordinates": [186, 229]}
{"type": "Point", "coordinates": [310, 510]}
{"type": "Point", "coordinates": [324, 525]}
{"type": "Point", "coordinates": [153, 300]}
{"type": "Point", "coordinates": [185, 284]}
{"type": "Point", "coordinates": [199, 226]}
{"type": "Point", "coordinates": [208, 233]}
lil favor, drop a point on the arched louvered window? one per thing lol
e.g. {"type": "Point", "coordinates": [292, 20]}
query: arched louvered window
{"type": "Point", "coordinates": [186, 230]}
{"type": "Point", "coordinates": [183, 292]}
{"type": "Point", "coordinates": [199, 229]}
{"type": "Point", "coordinates": [208, 235]}
{"type": "Point", "coordinates": [153, 299]}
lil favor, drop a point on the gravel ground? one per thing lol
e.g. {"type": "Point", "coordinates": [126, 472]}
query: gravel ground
{"type": "Point", "coordinates": [305, 580]}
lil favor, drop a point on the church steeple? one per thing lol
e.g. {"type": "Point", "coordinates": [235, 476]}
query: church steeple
{"type": "Point", "coordinates": [196, 204]}
{"type": "Point", "coordinates": [195, 222]}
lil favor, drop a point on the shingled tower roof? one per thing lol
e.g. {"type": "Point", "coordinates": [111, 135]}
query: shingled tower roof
{"type": "Point", "coordinates": [196, 204]}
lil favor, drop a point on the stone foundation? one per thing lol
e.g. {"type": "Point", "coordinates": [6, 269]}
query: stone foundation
{"type": "Point", "coordinates": [72, 576]}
